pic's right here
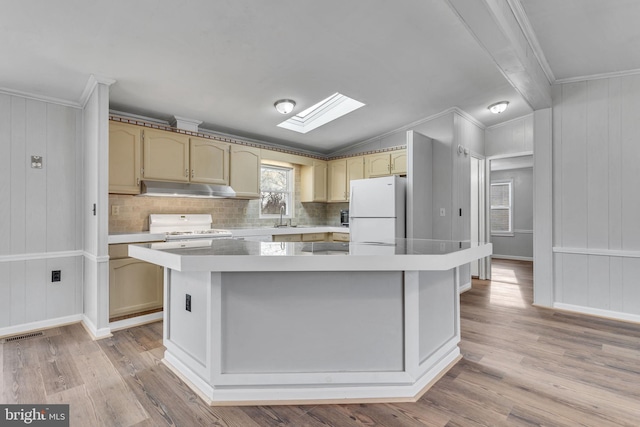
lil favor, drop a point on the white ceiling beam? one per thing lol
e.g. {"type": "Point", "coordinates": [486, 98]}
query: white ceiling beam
{"type": "Point", "coordinates": [494, 25]}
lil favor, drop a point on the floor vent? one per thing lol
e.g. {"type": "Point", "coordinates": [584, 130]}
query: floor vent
{"type": "Point", "coordinates": [22, 337]}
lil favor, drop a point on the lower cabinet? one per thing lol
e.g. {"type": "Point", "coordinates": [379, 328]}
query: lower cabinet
{"type": "Point", "coordinates": [135, 286]}
{"type": "Point", "coordinates": [307, 237]}
{"type": "Point", "coordinates": [315, 237]}
{"type": "Point", "coordinates": [340, 237]}
{"type": "Point", "coordinates": [287, 238]}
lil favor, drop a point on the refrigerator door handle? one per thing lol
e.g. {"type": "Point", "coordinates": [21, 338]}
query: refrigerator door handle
{"type": "Point", "coordinates": [352, 196]}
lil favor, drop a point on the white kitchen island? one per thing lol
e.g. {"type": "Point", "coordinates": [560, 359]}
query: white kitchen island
{"type": "Point", "coordinates": [254, 322]}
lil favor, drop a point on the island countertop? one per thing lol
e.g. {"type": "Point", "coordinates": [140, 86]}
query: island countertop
{"type": "Point", "coordinates": [229, 255]}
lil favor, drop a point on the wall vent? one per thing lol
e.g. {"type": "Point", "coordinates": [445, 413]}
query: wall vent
{"type": "Point", "coordinates": [21, 337]}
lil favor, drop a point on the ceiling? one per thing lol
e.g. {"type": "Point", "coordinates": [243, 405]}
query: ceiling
{"type": "Point", "coordinates": [226, 62]}
{"type": "Point", "coordinates": [586, 37]}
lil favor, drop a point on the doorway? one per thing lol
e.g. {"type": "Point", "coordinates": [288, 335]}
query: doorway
{"type": "Point", "coordinates": [509, 209]}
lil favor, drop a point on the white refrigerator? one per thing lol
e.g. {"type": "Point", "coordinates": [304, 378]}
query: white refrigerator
{"type": "Point", "coordinates": [377, 209]}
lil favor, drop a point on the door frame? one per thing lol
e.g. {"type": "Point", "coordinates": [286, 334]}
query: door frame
{"type": "Point", "coordinates": [482, 224]}
{"type": "Point", "coordinates": [488, 194]}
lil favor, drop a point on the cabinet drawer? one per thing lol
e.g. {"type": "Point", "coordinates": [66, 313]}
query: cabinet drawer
{"type": "Point", "coordinates": [314, 237]}
{"type": "Point", "coordinates": [286, 238]}
{"type": "Point", "coordinates": [340, 237]}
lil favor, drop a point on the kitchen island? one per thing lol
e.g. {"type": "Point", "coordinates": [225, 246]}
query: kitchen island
{"type": "Point", "coordinates": [265, 323]}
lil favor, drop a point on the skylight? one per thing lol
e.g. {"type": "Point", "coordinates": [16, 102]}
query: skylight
{"type": "Point", "coordinates": [325, 111]}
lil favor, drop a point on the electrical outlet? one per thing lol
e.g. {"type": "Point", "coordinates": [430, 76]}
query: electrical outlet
{"type": "Point", "coordinates": [115, 210]}
{"type": "Point", "coordinates": [56, 275]}
{"type": "Point", "coordinates": [188, 303]}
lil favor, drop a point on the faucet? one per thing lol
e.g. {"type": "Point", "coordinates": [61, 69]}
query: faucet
{"type": "Point", "coordinates": [282, 210]}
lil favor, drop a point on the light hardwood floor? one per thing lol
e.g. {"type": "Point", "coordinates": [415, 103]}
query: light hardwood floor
{"type": "Point", "coordinates": [522, 366]}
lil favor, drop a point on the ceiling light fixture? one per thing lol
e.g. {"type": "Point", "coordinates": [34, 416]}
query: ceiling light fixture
{"type": "Point", "coordinates": [284, 106]}
{"type": "Point", "coordinates": [498, 107]}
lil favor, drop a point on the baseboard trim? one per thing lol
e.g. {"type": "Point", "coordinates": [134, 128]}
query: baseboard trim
{"type": "Point", "coordinates": [135, 321]}
{"type": "Point", "coordinates": [96, 334]}
{"type": "Point", "coordinates": [597, 312]}
{"type": "Point", "coordinates": [512, 257]}
{"type": "Point", "coordinates": [464, 288]}
{"type": "Point", "coordinates": [41, 324]}
{"type": "Point", "coordinates": [387, 393]}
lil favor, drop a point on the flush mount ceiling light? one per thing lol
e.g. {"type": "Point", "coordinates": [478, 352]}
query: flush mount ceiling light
{"type": "Point", "coordinates": [323, 112]}
{"type": "Point", "coordinates": [498, 107]}
{"type": "Point", "coordinates": [284, 106]}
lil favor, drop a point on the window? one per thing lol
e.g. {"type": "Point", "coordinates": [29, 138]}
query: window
{"type": "Point", "coordinates": [502, 207]}
{"type": "Point", "coordinates": [276, 191]}
{"type": "Point", "coordinates": [325, 111]}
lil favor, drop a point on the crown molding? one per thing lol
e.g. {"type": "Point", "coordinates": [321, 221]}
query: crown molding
{"type": "Point", "coordinates": [598, 76]}
{"type": "Point", "coordinates": [530, 35]}
{"type": "Point", "coordinates": [92, 82]}
{"type": "Point", "coordinates": [146, 119]}
{"type": "Point", "coordinates": [36, 97]}
{"type": "Point", "coordinates": [470, 118]}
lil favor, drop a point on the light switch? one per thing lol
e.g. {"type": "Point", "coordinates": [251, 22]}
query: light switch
{"type": "Point", "coordinates": [442, 212]}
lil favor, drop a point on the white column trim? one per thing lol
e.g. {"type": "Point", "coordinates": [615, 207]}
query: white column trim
{"type": "Point", "coordinates": [91, 85]}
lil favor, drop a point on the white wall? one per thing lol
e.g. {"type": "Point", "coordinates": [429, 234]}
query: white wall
{"type": "Point", "coordinates": [40, 212]}
{"type": "Point", "coordinates": [596, 201]}
{"type": "Point", "coordinates": [514, 136]}
{"type": "Point", "coordinates": [520, 245]}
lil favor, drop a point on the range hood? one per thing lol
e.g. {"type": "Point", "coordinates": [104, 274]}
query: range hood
{"type": "Point", "coordinates": [184, 189]}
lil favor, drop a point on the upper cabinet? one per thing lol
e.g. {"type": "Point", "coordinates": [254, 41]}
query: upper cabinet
{"type": "Point", "coordinates": [244, 169]}
{"type": "Point", "coordinates": [398, 162]}
{"type": "Point", "coordinates": [384, 164]}
{"type": "Point", "coordinates": [165, 156]}
{"type": "Point", "coordinates": [209, 161]}
{"type": "Point", "coordinates": [337, 181]}
{"type": "Point", "coordinates": [125, 158]}
{"type": "Point", "coordinates": [341, 173]}
{"type": "Point", "coordinates": [314, 182]}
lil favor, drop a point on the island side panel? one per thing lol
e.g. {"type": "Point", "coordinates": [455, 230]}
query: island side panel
{"type": "Point", "coordinates": [438, 313]}
{"type": "Point", "coordinates": [288, 322]}
{"type": "Point", "coordinates": [188, 325]}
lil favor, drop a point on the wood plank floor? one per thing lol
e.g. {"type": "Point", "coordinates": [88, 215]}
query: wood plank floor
{"type": "Point", "coordinates": [522, 366]}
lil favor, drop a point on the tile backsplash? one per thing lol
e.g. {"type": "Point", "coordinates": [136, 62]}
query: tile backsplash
{"type": "Point", "coordinates": [134, 211]}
